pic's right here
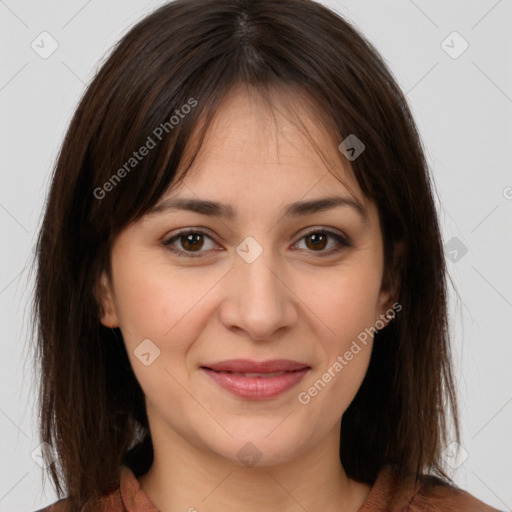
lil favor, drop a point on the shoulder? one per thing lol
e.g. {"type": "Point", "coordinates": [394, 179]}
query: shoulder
{"type": "Point", "coordinates": [127, 491]}
{"type": "Point", "coordinates": [110, 503]}
{"type": "Point", "coordinates": [59, 506]}
{"type": "Point", "coordinates": [431, 494]}
{"type": "Point", "coordinates": [428, 494]}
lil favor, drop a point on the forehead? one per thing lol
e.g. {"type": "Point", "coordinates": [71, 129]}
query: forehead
{"type": "Point", "coordinates": [282, 148]}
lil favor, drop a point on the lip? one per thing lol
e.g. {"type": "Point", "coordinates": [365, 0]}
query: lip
{"type": "Point", "coordinates": [227, 374]}
{"type": "Point", "coordinates": [249, 366]}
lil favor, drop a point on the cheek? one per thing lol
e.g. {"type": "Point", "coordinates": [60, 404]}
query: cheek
{"type": "Point", "coordinates": [346, 301]}
{"type": "Point", "coordinates": [145, 303]}
{"type": "Point", "coordinates": [163, 304]}
{"type": "Point", "coordinates": [346, 304]}
{"type": "Point", "coordinates": [152, 299]}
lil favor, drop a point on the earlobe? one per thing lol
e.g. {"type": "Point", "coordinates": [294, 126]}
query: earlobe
{"type": "Point", "coordinates": [386, 309]}
{"type": "Point", "coordinates": [391, 285]}
{"type": "Point", "coordinates": [107, 309]}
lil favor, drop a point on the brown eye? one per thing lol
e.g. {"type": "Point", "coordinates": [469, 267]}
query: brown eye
{"type": "Point", "coordinates": [192, 241]}
{"type": "Point", "coordinates": [189, 243]}
{"type": "Point", "coordinates": [316, 240]}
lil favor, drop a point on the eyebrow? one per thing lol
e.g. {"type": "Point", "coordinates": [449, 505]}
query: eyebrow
{"type": "Point", "coordinates": [300, 208]}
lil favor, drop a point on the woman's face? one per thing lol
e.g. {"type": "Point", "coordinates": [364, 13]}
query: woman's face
{"type": "Point", "coordinates": [258, 284]}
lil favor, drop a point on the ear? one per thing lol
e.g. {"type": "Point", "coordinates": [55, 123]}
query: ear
{"type": "Point", "coordinates": [391, 284]}
{"type": "Point", "coordinates": [107, 308]}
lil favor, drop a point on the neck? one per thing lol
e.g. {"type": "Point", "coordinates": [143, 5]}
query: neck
{"type": "Point", "coordinates": [184, 477]}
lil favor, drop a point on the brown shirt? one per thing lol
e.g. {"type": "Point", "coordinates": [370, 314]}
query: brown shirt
{"type": "Point", "coordinates": [388, 494]}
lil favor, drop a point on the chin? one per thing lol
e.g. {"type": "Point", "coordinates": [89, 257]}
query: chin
{"type": "Point", "coordinates": [257, 449]}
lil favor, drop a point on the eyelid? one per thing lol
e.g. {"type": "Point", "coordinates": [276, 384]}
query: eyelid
{"type": "Point", "coordinates": [324, 229]}
{"type": "Point", "coordinates": [343, 240]}
{"type": "Point", "coordinates": [168, 241]}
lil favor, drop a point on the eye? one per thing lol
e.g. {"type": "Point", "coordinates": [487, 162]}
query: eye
{"type": "Point", "coordinates": [191, 241]}
{"type": "Point", "coordinates": [317, 239]}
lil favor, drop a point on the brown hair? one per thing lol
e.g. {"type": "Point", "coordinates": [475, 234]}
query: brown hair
{"type": "Point", "coordinates": [92, 408]}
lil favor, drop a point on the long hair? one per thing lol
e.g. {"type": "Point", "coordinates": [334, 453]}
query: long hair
{"type": "Point", "coordinates": [180, 62]}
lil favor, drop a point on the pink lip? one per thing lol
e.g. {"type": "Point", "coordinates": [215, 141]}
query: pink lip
{"type": "Point", "coordinates": [256, 387]}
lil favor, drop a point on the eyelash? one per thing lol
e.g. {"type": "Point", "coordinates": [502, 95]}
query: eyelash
{"type": "Point", "coordinates": [344, 242]}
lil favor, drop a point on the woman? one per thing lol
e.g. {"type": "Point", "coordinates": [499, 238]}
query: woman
{"type": "Point", "coordinates": [241, 289]}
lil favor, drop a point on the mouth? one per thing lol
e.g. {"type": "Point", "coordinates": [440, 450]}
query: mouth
{"type": "Point", "coordinates": [252, 374]}
{"type": "Point", "coordinates": [256, 381]}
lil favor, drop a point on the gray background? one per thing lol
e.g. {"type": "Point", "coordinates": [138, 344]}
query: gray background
{"type": "Point", "coordinates": [463, 107]}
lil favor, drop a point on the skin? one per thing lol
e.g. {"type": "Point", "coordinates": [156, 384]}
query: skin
{"type": "Point", "coordinates": [289, 303]}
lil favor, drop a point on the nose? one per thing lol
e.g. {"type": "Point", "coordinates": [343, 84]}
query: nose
{"type": "Point", "coordinates": [257, 299]}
